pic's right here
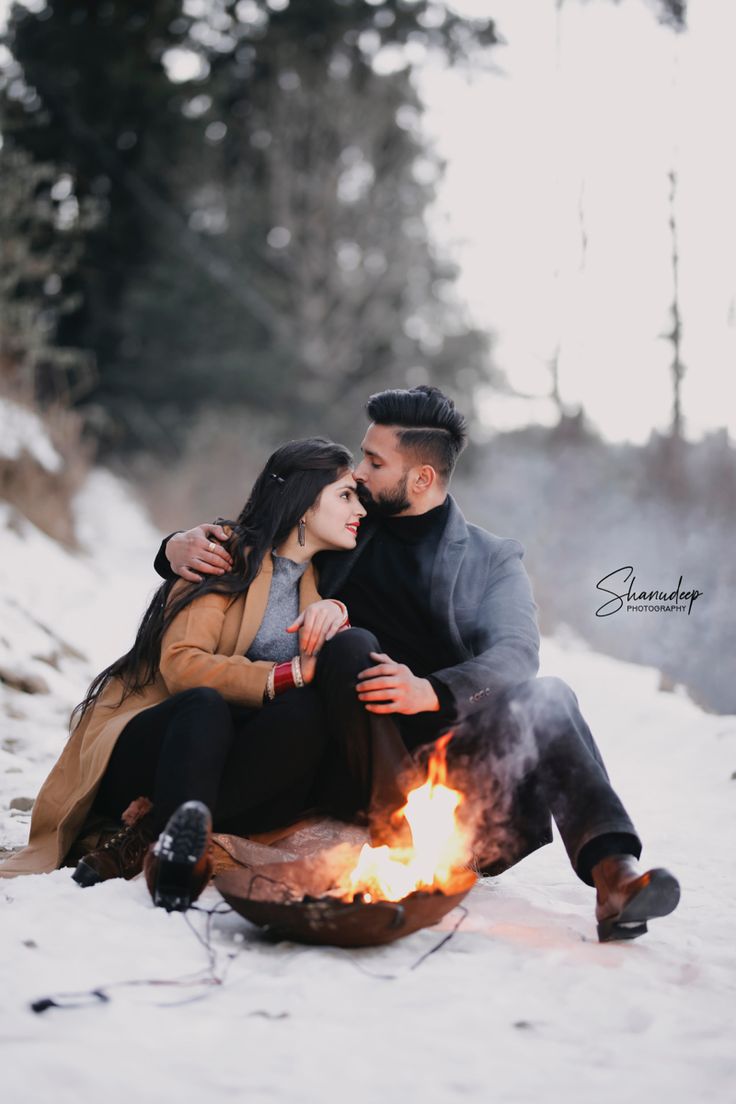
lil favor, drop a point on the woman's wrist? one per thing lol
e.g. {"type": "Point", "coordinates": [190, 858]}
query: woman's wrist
{"type": "Point", "coordinates": [270, 692]}
{"type": "Point", "coordinates": [296, 672]}
{"type": "Point", "coordinates": [283, 677]}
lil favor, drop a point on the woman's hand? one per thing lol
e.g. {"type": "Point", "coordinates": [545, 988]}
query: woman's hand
{"type": "Point", "coordinates": [195, 551]}
{"type": "Point", "coordinates": [317, 624]}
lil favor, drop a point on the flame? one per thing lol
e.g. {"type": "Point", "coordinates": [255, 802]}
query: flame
{"type": "Point", "coordinates": [439, 846]}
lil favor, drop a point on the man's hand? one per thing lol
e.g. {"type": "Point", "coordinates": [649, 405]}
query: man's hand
{"type": "Point", "coordinates": [391, 687]}
{"type": "Point", "coordinates": [316, 624]}
{"type": "Point", "coordinates": [195, 551]}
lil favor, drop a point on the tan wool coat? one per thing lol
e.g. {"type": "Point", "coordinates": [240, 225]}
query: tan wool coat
{"type": "Point", "coordinates": [205, 645]}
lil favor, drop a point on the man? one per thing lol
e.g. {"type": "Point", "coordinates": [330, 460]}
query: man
{"type": "Point", "coordinates": [451, 639]}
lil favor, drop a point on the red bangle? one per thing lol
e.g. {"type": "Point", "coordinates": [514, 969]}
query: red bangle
{"type": "Point", "coordinates": [283, 678]}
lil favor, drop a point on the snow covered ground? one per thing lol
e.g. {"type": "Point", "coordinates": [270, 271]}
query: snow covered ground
{"type": "Point", "coordinates": [522, 1004]}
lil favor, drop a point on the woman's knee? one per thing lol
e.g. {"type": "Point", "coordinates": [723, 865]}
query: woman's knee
{"type": "Point", "coordinates": [350, 650]}
{"type": "Point", "coordinates": [201, 724]}
{"type": "Point", "coordinates": [202, 699]}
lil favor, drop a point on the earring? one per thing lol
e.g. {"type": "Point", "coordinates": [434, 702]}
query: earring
{"type": "Point", "coordinates": [302, 532]}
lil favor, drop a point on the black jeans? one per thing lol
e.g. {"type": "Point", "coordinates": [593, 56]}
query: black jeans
{"type": "Point", "coordinates": [529, 756]}
{"type": "Point", "coordinates": [257, 769]}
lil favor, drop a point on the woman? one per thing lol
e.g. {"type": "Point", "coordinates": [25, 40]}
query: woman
{"type": "Point", "coordinates": [237, 697]}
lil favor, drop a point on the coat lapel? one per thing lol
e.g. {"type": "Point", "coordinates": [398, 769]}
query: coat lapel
{"type": "Point", "coordinates": [256, 601]}
{"type": "Point", "coordinates": [445, 571]}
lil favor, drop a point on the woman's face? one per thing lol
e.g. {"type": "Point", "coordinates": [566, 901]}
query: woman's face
{"type": "Point", "coordinates": [333, 521]}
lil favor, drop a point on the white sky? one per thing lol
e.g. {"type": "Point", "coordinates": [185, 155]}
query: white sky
{"type": "Point", "coordinates": [598, 121]}
{"type": "Point", "coordinates": [589, 110]}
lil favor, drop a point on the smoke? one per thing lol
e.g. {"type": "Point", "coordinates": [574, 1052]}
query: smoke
{"type": "Point", "coordinates": [494, 758]}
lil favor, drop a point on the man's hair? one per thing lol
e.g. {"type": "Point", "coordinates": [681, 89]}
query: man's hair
{"type": "Point", "coordinates": [429, 425]}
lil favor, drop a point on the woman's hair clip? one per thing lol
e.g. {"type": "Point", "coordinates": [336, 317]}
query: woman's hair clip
{"type": "Point", "coordinates": [278, 478]}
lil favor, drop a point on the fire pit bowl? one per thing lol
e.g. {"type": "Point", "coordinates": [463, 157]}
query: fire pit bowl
{"type": "Point", "coordinates": [327, 920]}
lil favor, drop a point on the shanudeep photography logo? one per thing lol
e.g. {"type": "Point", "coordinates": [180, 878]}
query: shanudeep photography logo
{"type": "Point", "coordinates": [622, 586]}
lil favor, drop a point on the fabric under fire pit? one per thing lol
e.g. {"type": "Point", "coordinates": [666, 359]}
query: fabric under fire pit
{"type": "Point", "coordinates": [282, 884]}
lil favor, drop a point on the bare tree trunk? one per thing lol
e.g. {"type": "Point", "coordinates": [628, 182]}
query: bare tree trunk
{"type": "Point", "coordinates": [554, 367]}
{"type": "Point", "coordinates": [675, 334]}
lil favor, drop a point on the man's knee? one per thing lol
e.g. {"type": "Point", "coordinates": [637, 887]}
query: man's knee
{"type": "Point", "coordinates": [536, 707]}
{"type": "Point", "coordinates": [543, 695]}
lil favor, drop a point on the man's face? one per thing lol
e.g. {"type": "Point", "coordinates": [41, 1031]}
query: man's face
{"type": "Point", "coordinates": [382, 475]}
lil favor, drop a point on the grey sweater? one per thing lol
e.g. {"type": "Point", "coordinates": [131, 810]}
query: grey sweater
{"type": "Point", "coordinates": [272, 641]}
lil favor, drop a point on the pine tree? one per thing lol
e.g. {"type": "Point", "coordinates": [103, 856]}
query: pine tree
{"type": "Point", "coordinates": [41, 236]}
{"type": "Point", "coordinates": [309, 193]}
{"type": "Point", "coordinates": [87, 94]}
{"type": "Point", "coordinates": [259, 228]}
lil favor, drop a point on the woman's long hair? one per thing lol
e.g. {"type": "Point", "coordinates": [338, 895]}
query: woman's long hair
{"type": "Point", "coordinates": [291, 482]}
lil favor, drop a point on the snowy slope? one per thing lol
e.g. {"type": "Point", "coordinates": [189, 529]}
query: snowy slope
{"type": "Point", "coordinates": [63, 617]}
{"type": "Point", "coordinates": [521, 1005]}
{"type": "Point", "coordinates": [22, 431]}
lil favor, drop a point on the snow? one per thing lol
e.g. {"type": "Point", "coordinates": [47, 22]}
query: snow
{"type": "Point", "coordinates": [21, 430]}
{"type": "Point", "coordinates": [523, 1004]}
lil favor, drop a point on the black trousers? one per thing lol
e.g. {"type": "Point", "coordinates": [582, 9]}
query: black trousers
{"type": "Point", "coordinates": [256, 769]}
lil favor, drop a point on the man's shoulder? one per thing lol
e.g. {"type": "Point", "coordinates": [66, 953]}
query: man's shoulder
{"type": "Point", "coordinates": [496, 543]}
{"type": "Point", "coordinates": [481, 539]}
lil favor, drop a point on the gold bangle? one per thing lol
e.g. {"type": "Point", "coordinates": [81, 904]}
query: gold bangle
{"type": "Point", "coordinates": [296, 672]}
{"type": "Point", "coordinates": [270, 688]}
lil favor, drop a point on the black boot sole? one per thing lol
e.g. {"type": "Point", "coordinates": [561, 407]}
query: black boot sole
{"type": "Point", "coordinates": [659, 896]}
{"type": "Point", "coordinates": [85, 875]}
{"type": "Point", "coordinates": [180, 847]}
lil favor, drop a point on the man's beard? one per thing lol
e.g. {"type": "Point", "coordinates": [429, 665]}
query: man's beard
{"type": "Point", "coordinates": [388, 503]}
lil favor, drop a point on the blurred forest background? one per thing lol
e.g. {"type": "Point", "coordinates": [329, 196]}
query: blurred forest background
{"type": "Point", "coordinates": [215, 235]}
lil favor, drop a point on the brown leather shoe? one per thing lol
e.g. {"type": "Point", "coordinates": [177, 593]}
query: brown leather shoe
{"type": "Point", "coordinates": [626, 898]}
{"type": "Point", "coordinates": [122, 855]}
{"type": "Point", "coordinates": [179, 865]}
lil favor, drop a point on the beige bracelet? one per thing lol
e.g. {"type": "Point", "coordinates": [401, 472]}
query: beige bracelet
{"type": "Point", "coordinates": [296, 671]}
{"type": "Point", "coordinates": [270, 693]}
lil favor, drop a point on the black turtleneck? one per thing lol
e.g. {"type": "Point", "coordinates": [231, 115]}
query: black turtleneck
{"type": "Point", "coordinates": [387, 591]}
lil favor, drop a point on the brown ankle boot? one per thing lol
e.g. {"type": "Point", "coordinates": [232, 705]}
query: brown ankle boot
{"type": "Point", "coordinates": [122, 856]}
{"type": "Point", "coordinates": [179, 865]}
{"type": "Point", "coordinates": [626, 898]}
